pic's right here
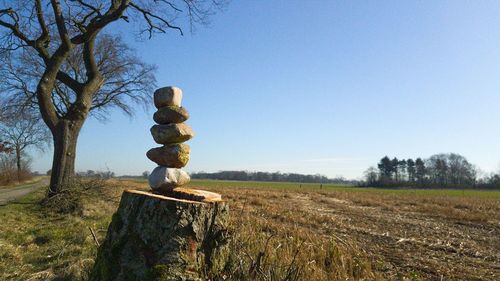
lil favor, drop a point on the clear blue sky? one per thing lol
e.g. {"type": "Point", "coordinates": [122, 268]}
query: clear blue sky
{"type": "Point", "coordinates": [323, 87]}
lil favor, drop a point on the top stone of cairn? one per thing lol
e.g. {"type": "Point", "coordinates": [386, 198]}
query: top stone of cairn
{"type": "Point", "coordinates": [167, 96]}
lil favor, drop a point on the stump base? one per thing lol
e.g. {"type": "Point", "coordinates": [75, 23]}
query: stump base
{"type": "Point", "coordinates": [155, 235]}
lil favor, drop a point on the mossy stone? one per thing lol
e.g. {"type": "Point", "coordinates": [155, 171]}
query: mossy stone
{"type": "Point", "coordinates": [171, 133]}
{"type": "Point", "coordinates": [170, 155]}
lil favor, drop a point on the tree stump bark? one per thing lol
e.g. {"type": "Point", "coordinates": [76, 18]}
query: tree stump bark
{"type": "Point", "coordinates": [154, 237]}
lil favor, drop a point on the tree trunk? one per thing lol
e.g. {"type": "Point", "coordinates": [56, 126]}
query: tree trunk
{"type": "Point", "coordinates": [65, 136]}
{"type": "Point", "coordinates": [18, 162]}
{"type": "Point", "coordinates": [153, 237]}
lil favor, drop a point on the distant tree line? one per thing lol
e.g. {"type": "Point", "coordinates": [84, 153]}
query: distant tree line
{"type": "Point", "coordinates": [96, 174]}
{"type": "Point", "coordinates": [449, 170]}
{"type": "Point", "coordinates": [266, 176]}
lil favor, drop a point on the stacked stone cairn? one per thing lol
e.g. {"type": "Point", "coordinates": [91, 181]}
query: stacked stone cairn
{"type": "Point", "coordinates": [172, 233]}
{"type": "Point", "coordinates": [171, 132]}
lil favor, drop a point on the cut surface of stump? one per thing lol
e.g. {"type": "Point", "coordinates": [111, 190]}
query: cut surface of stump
{"type": "Point", "coordinates": [192, 194]}
{"type": "Point", "coordinates": [157, 237]}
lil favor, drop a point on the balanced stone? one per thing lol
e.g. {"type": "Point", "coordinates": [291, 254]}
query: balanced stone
{"type": "Point", "coordinates": [170, 114]}
{"type": "Point", "coordinates": [171, 133]}
{"type": "Point", "coordinates": [165, 179]}
{"type": "Point", "coordinates": [172, 155]}
{"type": "Point", "coordinates": [167, 96]}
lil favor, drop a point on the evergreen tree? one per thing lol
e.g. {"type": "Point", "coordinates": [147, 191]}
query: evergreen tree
{"type": "Point", "coordinates": [385, 168]}
{"type": "Point", "coordinates": [410, 170]}
{"type": "Point", "coordinates": [402, 171]}
{"type": "Point", "coordinates": [395, 169]}
{"type": "Point", "coordinates": [420, 171]}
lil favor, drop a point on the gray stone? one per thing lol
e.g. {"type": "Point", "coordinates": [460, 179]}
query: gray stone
{"type": "Point", "coordinates": [170, 114]}
{"type": "Point", "coordinates": [164, 179]}
{"type": "Point", "coordinates": [171, 133]}
{"type": "Point", "coordinates": [171, 155]}
{"type": "Point", "coordinates": [167, 96]}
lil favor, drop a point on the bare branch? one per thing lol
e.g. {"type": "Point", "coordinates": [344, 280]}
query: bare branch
{"type": "Point", "coordinates": [61, 24]}
{"type": "Point", "coordinates": [148, 16]}
{"type": "Point", "coordinates": [89, 59]}
{"type": "Point", "coordinates": [171, 5]}
{"type": "Point", "coordinates": [14, 27]}
{"type": "Point", "coordinates": [44, 37]}
{"type": "Point", "coordinates": [95, 10]}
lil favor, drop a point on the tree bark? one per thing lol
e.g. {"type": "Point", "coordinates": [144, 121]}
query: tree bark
{"type": "Point", "coordinates": [18, 162]}
{"type": "Point", "coordinates": [153, 237]}
{"type": "Point", "coordinates": [65, 136]}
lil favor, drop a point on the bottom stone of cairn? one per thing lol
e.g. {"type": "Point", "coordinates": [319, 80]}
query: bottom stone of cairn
{"type": "Point", "coordinates": [164, 179]}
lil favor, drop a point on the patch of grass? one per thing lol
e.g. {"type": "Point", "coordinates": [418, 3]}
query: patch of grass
{"type": "Point", "coordinates": [23, 183]}
{"type": "Point", "coordinates": [40, 244]}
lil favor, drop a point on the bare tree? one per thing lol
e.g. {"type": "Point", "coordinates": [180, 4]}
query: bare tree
{"type": "Point", "coordinates": [5, 147]}
{"type": "Point", "coordinates": [371, 176]}
{"type": "Point", "coordinates": [21, 131]}
{"type": "Point", "coordinates": [75, 69]}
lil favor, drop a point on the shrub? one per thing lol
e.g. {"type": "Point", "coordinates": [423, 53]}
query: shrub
{"type": "Point", "coordinates": [70, 199]}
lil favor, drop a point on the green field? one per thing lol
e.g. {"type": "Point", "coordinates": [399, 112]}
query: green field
{"type": "Point", "coordinates": [196, 183]}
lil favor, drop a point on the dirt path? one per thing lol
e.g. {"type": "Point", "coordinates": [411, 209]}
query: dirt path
{"type": "Point", "coordinates": [9, 194]}
{"type": "Point", "coordinates": [430, 247]}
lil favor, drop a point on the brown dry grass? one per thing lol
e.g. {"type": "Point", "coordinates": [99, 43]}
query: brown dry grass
{"type": "Point", "coordinates": [348, 234]}
{"type": "Point", "coordinates": [285, 234]}
{"type": "Point", "coordinates": [275, 240]}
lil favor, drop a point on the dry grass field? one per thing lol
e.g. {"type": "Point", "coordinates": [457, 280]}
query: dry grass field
{"type": "Point", "coordinates": [387, 234]}
{"type": "Point", "coordinates": [285, 231]}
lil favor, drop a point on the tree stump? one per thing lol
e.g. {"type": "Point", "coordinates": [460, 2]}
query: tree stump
{"type": "Point", "coordinates": [155, 237]}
